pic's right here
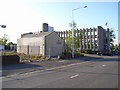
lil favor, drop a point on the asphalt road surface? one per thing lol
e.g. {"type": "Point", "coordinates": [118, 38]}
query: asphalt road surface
{"type": "Point", "coordinates": [89, 74]}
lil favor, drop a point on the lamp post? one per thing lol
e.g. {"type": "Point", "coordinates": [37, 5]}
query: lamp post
{"type": "Point", "coordinates": [73, 26]}
{"type": "Point", "coordinates": [108, 37]}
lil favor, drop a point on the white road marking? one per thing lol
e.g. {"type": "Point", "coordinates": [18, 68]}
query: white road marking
{"type": "Point", "coordinates": [74, 76]}
{"type": "Point", "coordinates": [103, 65]}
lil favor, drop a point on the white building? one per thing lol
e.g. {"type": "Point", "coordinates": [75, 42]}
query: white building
{"type": "Point", "coordinates": [42, 43]}
{"type": "Point", "coordinates": [2, 47]}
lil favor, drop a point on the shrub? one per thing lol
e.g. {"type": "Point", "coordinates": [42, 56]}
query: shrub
{"type": "Point", "coordinates": [88, 51]}
{"type": "Point", "coordinates": [43, 57]}
{"type": "Point", "coordinates": [31, 57]}
{"type": "Point", "coordinates": [34, 58]}
{"type": "Point", "coordinates": [14, 51]}
{"type": "Point", "coordinates": [77, 52]}
{"type": "Point", "coordinates": [83, 51]}
{"type": "Point", "coordinates": [38, 56]}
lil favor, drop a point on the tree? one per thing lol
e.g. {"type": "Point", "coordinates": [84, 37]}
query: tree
{"type": "Point", "coordinates": [4, 40]}
{"type": "Point", "coordinates": [10, 43]}
{"type": "Point", "coordinates": [77, 39]}
{"type": "Point", "coordinates": [117, 47]}
{"type": "Point", "coordinates": [112, 36]}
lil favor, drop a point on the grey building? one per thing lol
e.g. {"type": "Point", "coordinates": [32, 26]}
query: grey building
{"type": "Point", "coordinates": [96, 39]}
{"type": "Point", "coordinates": [47, 28]}
{"type": "Point", "coordinates": [50, 29]}
{"type": "Point", "coordinates": [42, 43]}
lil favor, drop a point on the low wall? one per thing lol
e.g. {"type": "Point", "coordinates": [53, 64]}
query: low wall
{"type": "Point", "coordinates": [9, 59]}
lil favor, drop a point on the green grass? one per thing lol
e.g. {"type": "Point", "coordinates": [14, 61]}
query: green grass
{"type": "Point", "coordinates": [8, 52]}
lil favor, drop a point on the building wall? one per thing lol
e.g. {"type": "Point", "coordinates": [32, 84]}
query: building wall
{"type": "Point", "coordinates": [93, 38]}
{"type": "Point", "coordinates": [50, 29]}
{"type": "Point", "coordinates": [54, 45]}
{"type": "Point", "coordinates": [50, 45]}
{"type": "Point", "coordinates": [101, 37]}
{"type": "Point", "coordinates": [31, 45]}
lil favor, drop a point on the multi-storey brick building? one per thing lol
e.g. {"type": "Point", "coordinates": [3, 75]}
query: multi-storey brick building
{"type": "Point", "coordinates": [96, 39]}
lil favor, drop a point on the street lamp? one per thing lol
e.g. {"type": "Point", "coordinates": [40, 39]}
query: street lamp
{"type": "Point", "coordinates": [3, 26]}
{"type": "Point", "coordinates": [73, 26]}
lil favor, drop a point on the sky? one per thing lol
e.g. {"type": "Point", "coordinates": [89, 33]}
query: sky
{"type": "Point", "coordinates": [23, 16]}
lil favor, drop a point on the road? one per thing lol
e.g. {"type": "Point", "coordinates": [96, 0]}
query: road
{"type": "Point", "coordinates": [89, 74]}
{"type": "Point", "coordinates": [41, 65]}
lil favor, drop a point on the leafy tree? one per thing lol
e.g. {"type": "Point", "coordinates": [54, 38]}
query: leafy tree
{"type": "Point", "coordinates": [115, 47]}
{"type": "Point", "coordinates": [118, 46]}
{"type": "Point", "coordinates": [112, 36]}
{"type": "Point", "coordinates": [69, 40]}
{"type": "Point", "coordinates": [112, 47]}
{"type": "Point", "coordinates": [4, 40]}
{"type": "Point", "coordinates": [10, 43]}
{"type": "Point", "coordinates": [77, 39]}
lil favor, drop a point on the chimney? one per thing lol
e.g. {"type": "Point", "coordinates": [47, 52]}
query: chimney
{"type": "Point", "coordinates": [45, 27]}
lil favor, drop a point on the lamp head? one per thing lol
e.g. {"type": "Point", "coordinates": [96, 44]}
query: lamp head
{"type": "Point", "coordinates": [3, 26]}
{"type": "Point", "coordinates": [84, 6]}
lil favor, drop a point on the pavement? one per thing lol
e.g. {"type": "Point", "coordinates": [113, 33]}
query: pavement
{"type": "Point", "coordinates": [44, 65]}
{"type": "Point", "coordinates": [86, 72]}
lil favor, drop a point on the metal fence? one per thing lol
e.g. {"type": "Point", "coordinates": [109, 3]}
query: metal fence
{"type": "Point", "coordinates": [26, 49]}
{"type": "Point", "coordinates": [40, 50]}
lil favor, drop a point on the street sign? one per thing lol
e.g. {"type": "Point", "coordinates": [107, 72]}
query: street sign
{"type": "Point", "coordinates": [105, 47]}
